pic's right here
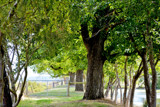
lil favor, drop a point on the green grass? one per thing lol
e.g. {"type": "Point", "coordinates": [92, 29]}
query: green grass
{"type": "Point", "coordinates": [57, 98]}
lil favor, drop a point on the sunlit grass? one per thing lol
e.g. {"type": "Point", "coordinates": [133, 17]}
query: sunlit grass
{"type": "Point", "coordinates": [58, 98]}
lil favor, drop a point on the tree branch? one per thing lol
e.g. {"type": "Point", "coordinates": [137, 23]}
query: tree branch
{"type": "Point", "coordinates": [84, 31]}
{"type": "Point", "coordinates": [55, 68]}
{"type": "Point", "coordinates": [107, 28]}
{"type": "Point", "coordinates": [12, 11]}
{"type": "Point", "coordinates": [134, 43]}
{"type": "Point", "coordinates": [85, 34]}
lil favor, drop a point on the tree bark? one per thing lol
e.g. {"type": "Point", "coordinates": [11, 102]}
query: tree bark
{"type": "Point", "coordinates": [1, 71]}
{"type": "Point", "coordinates": [116, 93]}
{"type": "Point", "coordinates": [79, 78]}
{"type": "Point", "coordinates": [7, 96]}
{"type": "Point", "coordinates": [95, 48]}
{"type": "Point", "coordinates": [112, 92]}
{"type": "Point", "coordinates": [135, 78]}
{"type": "Point", "coordinates": [130, 87]}
{"type": "Point", "coordinates": [154, 74]}
{"type": "Point", "coordinates": [120, 93]}
{"type": "Point", "coordinates": [108, 87]}
{"type": "Point", "coordinates": [72, 76]}
{"type": "Point", "coordinates": [23, 84]}
{"type": "Point", "coordinates": [94, 86]}
{"type": "Point", "coordinates": [125, 81]}
{"type": "Point", "coordinates": [116, 89]}
{"type": "Point", "coordinates": [146, 79]}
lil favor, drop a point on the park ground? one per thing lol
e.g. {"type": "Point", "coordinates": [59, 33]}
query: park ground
{"type": "Point", "coordinates": [57, 97]}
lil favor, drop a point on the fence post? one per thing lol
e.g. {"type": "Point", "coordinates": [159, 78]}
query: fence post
{"type": "Point", "coordinates": [68, 88]}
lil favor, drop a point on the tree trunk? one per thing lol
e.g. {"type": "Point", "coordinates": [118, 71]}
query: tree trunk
{"type": "Point", "coordinates": [79, 78]}
{"type": "Point", "coordinates": [146, 79]}
{"type": "Point", "coordinates": [108, 87]}
{"type": "Point", "coordinates": [72, 76]}
{"type": "Point", "coordinates": [95, 47]}
{"type": "Point", "coordinates": [154, 82]}
{"type": "Point", "coordinates": [116, 93]}
{"type": "Point", "coordinates": [1, 72]}
{"type": "Point", "coordinates": [125, 81]}
{"type": "Point", "coordinates": [7, 96]}
{"type": "Point", "coordinates": [112, 93]}
{"type": "Point", "coordinates": [22, 87]}
{"type": "Point", "coordinates": [114, 90]}
{"type": "Point", "coordinates": [120, 93]}
{"type": "Point", "coordinates": [94, 86]}
{"type": "Point", "coordinates": [13, 94]}
{"type": "Point", "coordinates": [154, 74]}
{"type": "Point", "coordinates": [119, 86]}
{"type": "Point", "coordinates": [130, 86]}
{"type": "Point", "coordinates": [133, 90]}
{"type": "Point", "coordinates": [135, 78]}
{"type": "Point", "coordinates": [1, 78]}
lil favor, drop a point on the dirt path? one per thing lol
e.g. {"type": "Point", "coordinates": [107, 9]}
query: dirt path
{"type": "Point", "coordinates": [104, 101]}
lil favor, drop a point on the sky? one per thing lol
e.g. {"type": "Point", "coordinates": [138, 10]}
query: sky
{"type": "Point", "coordinates": [34, 74]}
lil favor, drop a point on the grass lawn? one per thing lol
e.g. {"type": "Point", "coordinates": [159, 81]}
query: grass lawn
{"type": "Point", "coordinates": [57, 98]}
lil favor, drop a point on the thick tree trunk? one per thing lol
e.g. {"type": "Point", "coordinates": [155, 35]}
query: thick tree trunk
{"type": "Point", "coordinates": [7, 96]}
{"type": "Point", "coordinates": [94, 86]}
{"type": "Point", "coordinates": [79, 78]}
{"type": "Point", "coordinates": [1, 72]}
{"type": "Point", "coordinates": [125, 81]}
{"type": "Point", "coordinates": [95, 48]}
{"type": "Point", "coordinates": [146, 80]}
{"type": "Point", "coordinates": [1, 78]}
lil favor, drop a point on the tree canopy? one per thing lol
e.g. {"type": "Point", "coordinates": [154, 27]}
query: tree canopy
{"type": "Point", "coordinates": [107, 38]}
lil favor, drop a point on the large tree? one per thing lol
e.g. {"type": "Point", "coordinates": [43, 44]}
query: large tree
{"type": "Point", "coordinates": [102, 22]}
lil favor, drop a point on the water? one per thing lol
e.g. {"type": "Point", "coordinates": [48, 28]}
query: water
{"type": "Point", "coordinates": [140, 97]}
